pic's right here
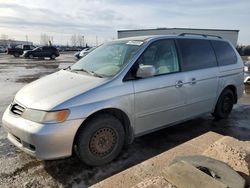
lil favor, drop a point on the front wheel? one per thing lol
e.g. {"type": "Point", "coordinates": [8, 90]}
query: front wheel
{"type": "Point", "coordinates": [224, 104]}
{"type": "Point", "coordinates": [31, 56]}
{"type": "Point", "coordinates": [53, 56]}
{"type": "Point", "coordinates": [100, 140]}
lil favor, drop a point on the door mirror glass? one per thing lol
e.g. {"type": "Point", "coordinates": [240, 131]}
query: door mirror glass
{"type": "Point", "coordinates": [145, 71]}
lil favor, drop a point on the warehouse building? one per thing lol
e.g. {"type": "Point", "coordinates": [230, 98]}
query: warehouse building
{"type": "Point", "coordinates": [231, 35]}
{"type": "Point", "coordinates": [10, 42]}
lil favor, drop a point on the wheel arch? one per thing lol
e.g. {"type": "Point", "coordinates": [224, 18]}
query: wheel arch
{"type": "Point", "coordinates": [119, 114]}
{"type": "Point", "coordinates": [234, 90]}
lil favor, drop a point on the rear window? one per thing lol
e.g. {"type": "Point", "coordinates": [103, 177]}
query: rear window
{"type": "Point", "coordinates": [196, 54]}
{"type": "Point", "coordinates": [51, 48]}
{"type": "Point", "coordinates": [46, 48]}
{"type": "Point", "coordinates": [224, 53]}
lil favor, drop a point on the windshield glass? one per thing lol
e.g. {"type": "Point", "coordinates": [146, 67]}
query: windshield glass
{"type": "Point", "coordinates": [108, 59]}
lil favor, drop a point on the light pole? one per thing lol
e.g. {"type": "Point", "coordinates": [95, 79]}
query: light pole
{"type": "Point", "coordinates": [82, 40]}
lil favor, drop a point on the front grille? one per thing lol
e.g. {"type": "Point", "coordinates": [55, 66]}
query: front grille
{"type": "Point", "coordinates": [17, 109]}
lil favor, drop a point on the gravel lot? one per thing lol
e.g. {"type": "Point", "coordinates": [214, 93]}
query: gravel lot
{"type": "Point", "coordinates": [18, 169]}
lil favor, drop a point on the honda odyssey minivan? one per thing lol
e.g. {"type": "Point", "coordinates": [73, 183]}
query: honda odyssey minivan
{"type": "Point", "coordinates": [121, 90]}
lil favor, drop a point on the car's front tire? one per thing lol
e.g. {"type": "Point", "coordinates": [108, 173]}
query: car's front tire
{"type": "Point", "coordinates": [224, 104]}
{"type": "Point", "coordinates": [31, 56]}
{"type": "Point", "coordinates": [100, 140]}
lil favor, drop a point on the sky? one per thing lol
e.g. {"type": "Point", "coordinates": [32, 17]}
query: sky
{"type": "Point", "coordinates": [99, 20]}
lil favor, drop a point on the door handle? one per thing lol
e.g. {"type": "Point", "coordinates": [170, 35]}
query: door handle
{"type": "Point", "coordinates": [179, 83]}
{"type": "Point", "coordinates": [193, 81]}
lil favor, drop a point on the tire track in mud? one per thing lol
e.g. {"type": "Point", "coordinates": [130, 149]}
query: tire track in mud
{"type": "Point", "coordinates": [24, 168]}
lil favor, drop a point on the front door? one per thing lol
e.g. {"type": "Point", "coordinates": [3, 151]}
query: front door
{"type": "Point", "coordinates": [160, 99]}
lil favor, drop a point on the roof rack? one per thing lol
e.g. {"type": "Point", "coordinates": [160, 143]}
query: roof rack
{"type": "Point", "coordinates": [204, 35]}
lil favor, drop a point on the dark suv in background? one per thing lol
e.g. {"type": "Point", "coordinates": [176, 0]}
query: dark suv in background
{"type": "Point", "coordinates": [18, 50]}
{"type": "Point", "coordinates": [42, 52]}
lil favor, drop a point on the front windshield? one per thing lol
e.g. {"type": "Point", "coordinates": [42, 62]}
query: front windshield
{"type": "Point", "coordinates": [108, 59]}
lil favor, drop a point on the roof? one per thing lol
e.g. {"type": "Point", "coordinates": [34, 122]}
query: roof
{"type": "Point", "coordinates": [188, 36]}
{"type": "Point", "coordinates": [141, 38]}
{"type": "Point", "coordinates": [179, 29]}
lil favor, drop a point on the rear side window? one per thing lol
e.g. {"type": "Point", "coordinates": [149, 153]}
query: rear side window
{"type": "Point", "coordinates": [224, 53]}
{"type": "Point", "coordinates": [196, 54]}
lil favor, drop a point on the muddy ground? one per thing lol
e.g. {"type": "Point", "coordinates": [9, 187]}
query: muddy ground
{"type": "Point", "coordinates": [18, 169]}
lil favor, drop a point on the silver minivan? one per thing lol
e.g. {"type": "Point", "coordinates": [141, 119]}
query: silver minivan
{"type": "Point", "coordinates": [121, 90]}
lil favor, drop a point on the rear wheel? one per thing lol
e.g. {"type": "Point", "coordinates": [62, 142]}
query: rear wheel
{"type": "Point", "coordinates": [100, 140]}
{"type": "Point", "coordinates": [16, 54]}
{"type": "Point", "coordinates": [224, 104]}
{"type": "Point", "coordinates": [53, 56]}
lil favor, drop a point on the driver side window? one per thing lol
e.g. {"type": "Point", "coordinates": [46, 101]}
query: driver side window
{"type": "Point", "coordinates": [162, 56]}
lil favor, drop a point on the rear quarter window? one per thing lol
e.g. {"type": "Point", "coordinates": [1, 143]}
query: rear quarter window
{"type": "Point", "coordinates": [224, 53]}
{"type": "Point", "coordinates": [196, 54]}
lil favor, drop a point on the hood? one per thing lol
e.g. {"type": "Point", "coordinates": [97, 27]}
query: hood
{"type": "Point", "coordinates": [54, 89]}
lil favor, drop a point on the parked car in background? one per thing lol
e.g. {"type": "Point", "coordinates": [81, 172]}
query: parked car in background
{"type": "Point", "coordinates": [42, 52]}
{"type": "Point", "coordinates": [18, 50]}
{"type": "Point", "coordinates": [76, 55]}
{"type": "Point", "coordinates": [122, 90]}
{"type": "Point", "coordinates": [247, 72]}
{"type": "Point", "coordinates": [85, 51]}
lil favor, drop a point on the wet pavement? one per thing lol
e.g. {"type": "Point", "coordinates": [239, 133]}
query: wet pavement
{"type": "Point", "coordinates": [18, 169]}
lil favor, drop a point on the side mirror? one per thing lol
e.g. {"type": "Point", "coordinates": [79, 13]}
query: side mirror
{"type": "Point", "coordinates": [145, 71]}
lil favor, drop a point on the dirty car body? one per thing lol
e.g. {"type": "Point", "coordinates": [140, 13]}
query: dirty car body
{"type": "Point", "coordinates": [46, 115]}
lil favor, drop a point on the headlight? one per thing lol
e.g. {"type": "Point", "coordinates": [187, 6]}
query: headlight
{"type": "Point", "coordinates": [45, 117]}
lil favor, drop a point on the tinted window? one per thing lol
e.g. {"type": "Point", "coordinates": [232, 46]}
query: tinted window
{"type": "Point", "coordinates": [224, 53]}
{"type": "Point", "coordinates": [18, 46]}
{"type": "Point", "coordinates": [162, 55]}
{"type": "Point", "coordinates": [52, 48]}
{"type": "Point", "coordinates": [196, 54]}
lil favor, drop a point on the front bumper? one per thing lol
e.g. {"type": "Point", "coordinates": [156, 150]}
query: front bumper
{"type": "Point", "coordinates": [44, 141]}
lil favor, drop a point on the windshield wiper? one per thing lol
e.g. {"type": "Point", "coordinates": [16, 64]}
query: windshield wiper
{"type": "Point", "coordinates": [83, 70]}
{"type": "Point", "coordinates": [95, 74]}
{"type": "Point", "coordinates": [89, 72]}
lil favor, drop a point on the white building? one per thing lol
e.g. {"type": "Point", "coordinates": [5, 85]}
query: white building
{"type": "Point", "coordinates": [231, 35]}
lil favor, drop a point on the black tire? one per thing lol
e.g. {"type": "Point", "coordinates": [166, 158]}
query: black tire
{"type": "Point", "coordinates": [100, 140]}
{"type": "Point", "coordinates": [53, 56]}
{"type": "Point", "coordinates": [31, 56]}
{"type": "Point", "coordinates": [16, 54]}
{"type": "Point", "coordinates": [224, 105]}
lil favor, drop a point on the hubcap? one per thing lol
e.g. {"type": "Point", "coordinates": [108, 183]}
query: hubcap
{"type": "Point", "coordinates": [103, 141]}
